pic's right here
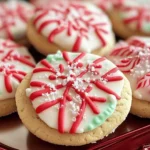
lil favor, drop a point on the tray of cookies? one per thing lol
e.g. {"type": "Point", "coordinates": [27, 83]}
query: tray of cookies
{"type": "Point", "coordinates": [67, 82]}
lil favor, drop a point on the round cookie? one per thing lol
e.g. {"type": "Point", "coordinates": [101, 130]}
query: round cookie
{"type": "Point", "coordinates": [14, 16]}
{"type": "Point", "coordinates": [73, 98]}
{"type": "Point", "coordinates": [133, 59]}
{"type": "Point", "coordinates": [131, 17]}
{"type": "Point", "coordinates": [15, 62]}
{"type": "Point", "coordinates": [74, 26]}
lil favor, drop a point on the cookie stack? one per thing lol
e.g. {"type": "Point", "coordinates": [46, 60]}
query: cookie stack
{"type": "Point", "coordinates": [75, 96]}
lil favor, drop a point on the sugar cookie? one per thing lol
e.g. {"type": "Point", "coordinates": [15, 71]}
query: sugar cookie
{"type": "Point", "coordinates": [76, 97]}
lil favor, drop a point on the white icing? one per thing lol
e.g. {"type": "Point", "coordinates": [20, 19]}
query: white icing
{"type": "Point", "coordinates": [72, 107]}
{"type": "Point", "coordinates": [61, 39]}
{"type": "Point", "coordinates": [140, 70]}
{"type": "Point", "coordinates": [20, 51]}
{"type": "Point", "coordinates": [18, 29]}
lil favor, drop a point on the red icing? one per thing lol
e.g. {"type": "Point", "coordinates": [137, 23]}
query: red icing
{"type": "Point", "coordinates": [78, 24]}
{"type": "Point", "coordinates": [86, 99]}
{"type": "Point", "coordinates": [46, 105]}
{"type": "Point", "coordinates": [78, 118]}
{"type": "Point", "coordinates": [142, 14]}
{"type": "Point", "coordinates": [9, 54]}
{"type": "Point", "coordinates": [140, 11]}
{"type": "Point", "coordinates": [128, 63]}
{"type": "Point", "coordinates": [21, 59]}
{"type": "Point", "coordinates": [9, 73]}
{"type": "Point", "coordinates": [129, 51]}
{"type": "Point", "coordinates": [144, 81]}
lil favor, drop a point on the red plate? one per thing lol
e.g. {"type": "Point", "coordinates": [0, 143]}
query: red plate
{"type": "Point", "coordinates": [13, 135]}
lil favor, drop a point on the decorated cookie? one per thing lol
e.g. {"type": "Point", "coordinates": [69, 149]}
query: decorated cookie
{"type": "Point", "coordinates": [132, 57]}
{"type": "Point", "coordinates": [76, 97]}
{"type": "Point", "coordinates": [131, 17]}
{"type": "Point", "coordinates": [15, 62]}
{"type": "Point", "coordinates": [13, 19]}
{"type": "Point", "coordinates": [71, 26]}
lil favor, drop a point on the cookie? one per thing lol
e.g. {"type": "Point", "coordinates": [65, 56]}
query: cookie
{"type": "Point", "coordinates": [133, 59]}
{"type": "Point", "coordinates": [73, 98]}
{"type": "Point", "coordinates": [74, 26]}
{"type": "Point", "coordinates": [15, 62]}
{"type": "Point", "coordinates": [131, 18]}
{"type": "Point", "coordinates": [13, 23]}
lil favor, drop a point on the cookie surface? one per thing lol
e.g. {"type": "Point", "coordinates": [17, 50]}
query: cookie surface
{"type": "Point", "coordinates": [15, 62]}
{"type": "Point", "coordinates": [133, 59]}
{"type": "Point", "coordinates": [79, 29]}
{"type": "Point", "coordinates": [7, 107]}
{"type": "Point", "coordinates": [77, 91]}
{"type": "Point", "coordinates": [140, 108]}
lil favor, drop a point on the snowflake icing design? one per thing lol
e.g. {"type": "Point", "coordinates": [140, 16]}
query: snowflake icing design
{"type": "Point", "coordinates": [73, 81]}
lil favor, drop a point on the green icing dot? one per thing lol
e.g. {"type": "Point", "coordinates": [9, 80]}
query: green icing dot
{"type": "Point", "coordinates": [100, 118]}
{"type": "Point", "coordinates": [55, 57]}
{"type": "Point", "coordinates": [91, 127]}
{"type": "Point", "coordinates": [146, 27]}
{"type": "Point", "coordinates": [0, 92]}
{"type": "Point", "coordinates": [96, 120]}
{"type": "Point", "coordinates": [111, 106]}
{"type": "Point", "coordinates": [106, 113]}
